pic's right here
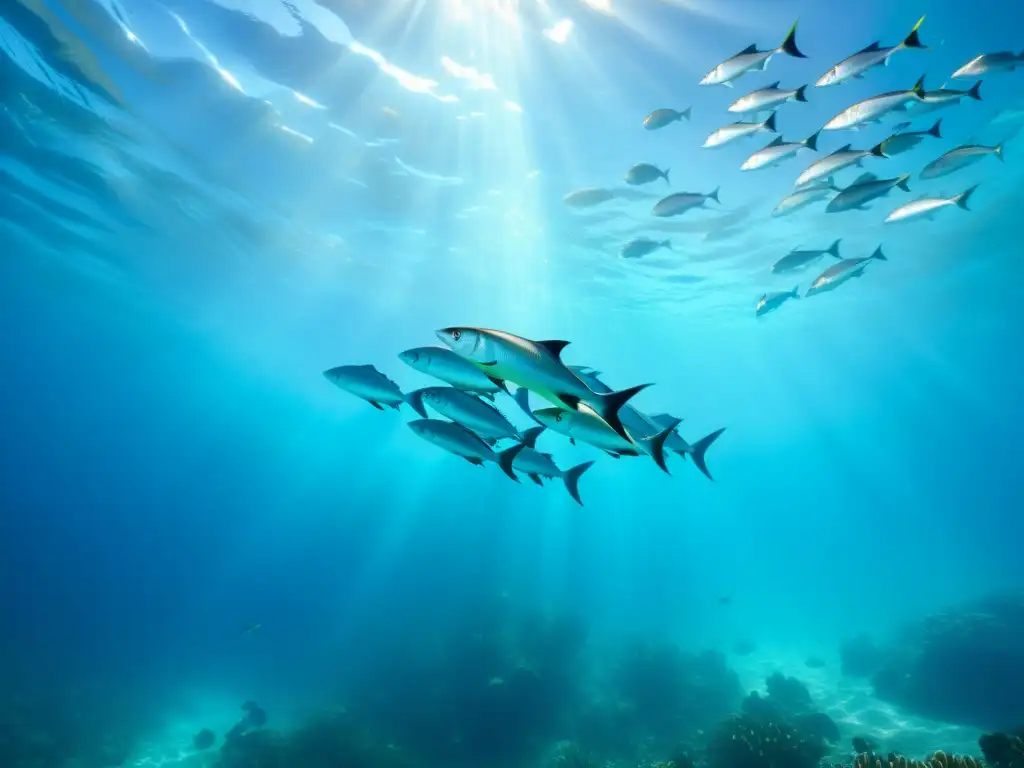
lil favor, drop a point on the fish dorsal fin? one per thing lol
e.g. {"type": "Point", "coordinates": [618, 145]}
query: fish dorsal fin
{"type": "Point", "coordinates": [864, 178]}
{"type": "Point", "coordinates": [844, 148]}
{"type": "Point", "coordinates": [778, 140]}
{"type": "Point", "coordinates": [663, 420]}
{"type": "Point", "coordinates": [873, 47]}
{"type": "Point", "coordinates": [748, 49]}
{"type": "Point", "coordinates": [554, 346]}
{"type": "Point", "coordinates": [772, 86]}
{"type": "Point", "coordinates": [367, 367]}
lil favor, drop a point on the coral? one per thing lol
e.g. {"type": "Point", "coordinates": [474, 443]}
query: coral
{"type": "Point", "coordinates": [938, 759]}
{"type": "Point", "coordinates": [204, 739]}
{"type": "Point", "coordinates": [1002, 750]}
{"type": "Point", "coordinates": [743, 742]}
{"type": "Point", "coordinates": [817, 724]}
{"type": "Point", "coordinates": [788, 693]}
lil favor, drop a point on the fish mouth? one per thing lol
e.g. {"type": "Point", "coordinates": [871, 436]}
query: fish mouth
{"type": "Point", "coordinates": [442, 336]}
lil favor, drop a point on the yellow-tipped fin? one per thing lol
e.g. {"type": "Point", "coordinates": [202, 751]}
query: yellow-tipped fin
{"type": "Point", "coordinates": [913, 40]}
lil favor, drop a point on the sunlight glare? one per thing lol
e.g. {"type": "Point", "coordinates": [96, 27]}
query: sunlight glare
{"type": "Point", "coordinates": [560, 32]}
{"type": "Point", "coordinates": [477, 80]}
{"type": "Point", "coordinates": [407, 80]}
{"type": "Point", "coordinates": [304, 99]}
{"type": "Point", "coordinates": [601, 6]}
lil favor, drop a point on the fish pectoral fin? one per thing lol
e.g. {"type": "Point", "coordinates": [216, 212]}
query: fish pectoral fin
{"type": "Point", "coordinates": [473, 460]}
{"type": "Point", "coordinates": [614, 454]}
{"type": "Point", "coordinates": [569, 401]}
{"type": "Point", "coordinates": [572, 441]}
{"type": "Point", "coordinates": [554, 346]}
{"type": "Point", "coordinates": [536, 479]}
{"type": "Point", "coordinates": [489, 363]}
{"type": "Point", "coordinates": [376, 405]}
{"type": "Point", "coordinates": [500, 384]}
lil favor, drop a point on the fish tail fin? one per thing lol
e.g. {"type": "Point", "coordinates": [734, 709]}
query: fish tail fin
{"type": "Point", "coordinates": [801, 93]}
{"type": "Point", "coordinates": [607, 407]}
{"type": "Point", "coordinates": [667, 244]}
{"type": "Point", "coordinates": [686, 113]}
{"type": "Point", "coordinates": [795, 293]}
{"type": "Point", "coordinates": [830, 182]}
{"type": "Point", "coordinates": [913, 40]}
{"type": "Point", "coordinates": [699, 450]}
{"type": "Point", "coordinates": [714, 195]}
{"type": "Point", "coordinates": [963, 197]}
{"type": "Point", "coordinates": [522, 398]}
{"type": "Point", "coordinates": [902, 182]}
{"type": "Point", "coordinates": [833, 250]}
{"type": "Point", "coordinates": [975, 92]}
{"type": "Point", "coordinates": [936, 130]}
{"type": "Point", "coordinates": [657, 444]}
{"type": "Point", "coordinates": [415, 401]}
{"type": "Point", "coordinates": [506, 457]}
{"type": "Point", "coordinates": [665, 174]}
{"type": "Point", "coordinates": [571, 478]}
{"type": "Point", "coordinates": [769, 124]}
{"type": "Point", "coordinates": [918, 89]}
{"type": "Point", "coordinates": [788, 46]}
{"type": "Point", "coordinates": [811, 142]}
{"type": "Point", "coordinates": [879, 149]}
{"type": "Point", "coordinates": [529, 436]}
{"type": "Point", "coordinates": [879, 255]}
{"type": "Point", "coordinates": [998, 151]}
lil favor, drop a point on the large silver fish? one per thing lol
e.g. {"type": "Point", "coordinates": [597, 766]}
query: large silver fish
{"type": "Point", "coordinates": [366, 382]}
{"type": "Point", "coordinates": [536, 465]}
{"type": "Point", "coordinates": [875, 108]}
{"type": "Point", "coordinates": [926, 207]}
{"type": "Point", "coordinates": [536, 365]}
{"type": "Point", "coordinates": [778, 151]}
{"type": "Point", "coordinates": [659, 118]}
{"type": "Point", "coordinates": [443, 364]}
{"type": "Point", "coordinates": [866, 58]}
{"type": "Point", "coordinates": [959, 158]}
{"type": "Point", "coordinates": [456, 439]}
{"type": "Point", "coordinates": [1003, 61]}
{"type": "Point", "coordinates": [767, 99]}
{"type": "Point", "coordinates": [474, 414]}
{"type": "Point", "coordinates": [842, 158]}
{"type": "Point", "coordinates": [943, 98]}
{"type": "Point", "coordinates": [643, 246]}
{"type": "Point", "coordinates": [865, 189]}
{"type": "Point", "coordinates": [750, 59]}
{"type": "Point", "coordinates": [645, 173]}
{"type": "Point", "coordinates": [588, 197]}
{"type": "Point", "coordinates": [847, 269]}
{"type": "Point", "coordinates": [796, 259]}
{"type": "Point", "coordinates": [681, 202]}
{"type": "Point", "coordinates": [734, 131]}
{"type": "Point", "coordinates": [805, 196]}
{"type": "Point", "coordinates": [769, 302]}
{"type": "Point", "coordinates": [905, 140]}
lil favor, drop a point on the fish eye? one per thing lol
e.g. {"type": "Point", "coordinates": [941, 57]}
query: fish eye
{"type": "Point", "coordinates": [558, 416]}
{"type": "Point", "coordinates": [456, 335]}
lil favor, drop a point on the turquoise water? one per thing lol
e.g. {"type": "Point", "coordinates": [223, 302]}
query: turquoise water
{"type": "Point", "coordinates": [204, 205]}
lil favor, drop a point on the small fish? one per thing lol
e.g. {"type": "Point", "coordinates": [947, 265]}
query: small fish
{"type": "Point", "coordinates": [724, 600]}
{"type": "Point", "coordinates": [536, 365]}
{"type": "Point", "coordinates": [251, 629]}
{"type": "Point", "coordinates": [645, 173]}
{"type": "Point", "coordinates": [778, 151]}
{"type": "Point", "coordinates": [588, 197]}
{"type": "Point", "coordinates": [875, 108]}
{"type": "Point", "coordinates": [456, 439]}
{"type": "Point", "coordinates": [681, 202]}
{"type": "Point", "coordinates": [443, 364]}
{"type": "Point", "coordinates": [900, 142]}
{"type": "Point", "coordinates": [536, 465]}
{"type": "Point", "coordinates": [750, 59]}
{"type": "Point", "coordinates": [797, 259]}
{"type": "Point", "coordinates": [814, 662]}
{"type": "Point", "coordinates": [805, 196]}
{"type": "Point", "coordinates": [866, 188]}
{"type": "Point", "coordinates": [943, 98]}
{"type": "Point", "coordinates": [837, 274]}
{"type": "Point", "coordinates": [772, 301]}
{"type": "Point", "coordinates": [734, 131]}
{"type": "Point", "coordinates": [959, 158]}
{"type": "Point", "coordinates": [1003, 61]}
{"type": "Point", "coordinates": [767, 99]}
{"type": "Point", "coordinates": [366, 382]}
{"type": "Point", "coordinates": [900, 127]}
{"type": "Point", "coordinates": [867, 58]}
{"type": "Point", "coordinates": [643, 246]}
{"type": "Point", "coordinates": [465, 409]}
{"type": "Point", "coordinates": [659, 118]}
{"type": "Point", "coordinates": [925, 207]}
{"type": "Point", "coordinates": [837, 161]}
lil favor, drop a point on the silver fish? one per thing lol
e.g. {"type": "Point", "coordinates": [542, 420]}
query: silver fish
{"type": "Point", "coordinates": [588, 197]}
{"type": "Point", "coordinates": [366, 382]}
{"type": "Point", "coordinates": [778, 151]}
{"type": "Point", "coordinates": [750, 59]}
{"type": "Point", "coordinates": [837, 161]}
{"type": "Point", "coordinates": [959, 158]}
{"type": "Point", "coordinates": [465, 409]}
{"type": "Point", "coordinates": [536, 365]}
{"type": "Point", "coordinates": [866, 58]}
{"type": "Point", "coordinates": [1003, 61]}
{"type": "Point", "coordinates": [866, 188]}
{"type": "Point", "coordinates": [942, 99]}
{"type": "Point", "coordinates": [905, 140]}
{"type": "Point", "coordinates": [769, 302]}
{"type": "Point", "coordinates": [874, 108]}
{"type": "Point", "coordinates": [804, 197]}
{"type": "Point", "coordinates": [767, 99]}
{"type": "Point", "coordinates": [681, 202]}
{"type": "Point", "coordinates": [734, 131]}
{"type": "Point", "coordinates": [456, 439]}
{"type": "Point", "coordinates": [645, 173]}
{"type": "Point", "coordinates": [443, 364]}
{"type": "Point", "coordinates": [925, 207]}
{"type": "Point", "coordinates": [659, 118]}
{"type": "Point", "coordinates": [797, 259]}
{"type": "Point", "coordinates": [536, 465]}
{"type": "Point", "coordinates": [838, 274]}
{"type": "Point", "coordinates": [643, 246]}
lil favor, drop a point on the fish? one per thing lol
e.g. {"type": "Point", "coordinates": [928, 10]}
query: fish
{"type": "Point", "coordinates": [536, 465]}
{"type": "Point", "coordinates": [751, 59]}
{"type": "Point", "coordinates": [443, 364]}
{"type": "Point", "coordinates": [659, 118]}
{"type": "Point", "coordinates": [943, 98]}
{"type": "Point", "coordinates": [925, 207]}
{"type": "Point", "coordinates": [733, 131]}
{"type": "Point", "coordinates": [873, 56]}
{"type": "Point", "coordinates": [796, 259]}
{"type": "Point", "coordinates": [900, 142]}
{"type": "Point", "coordinates": [643, 246]}
{"type": "Point", "coordinates": [588, 197]}
{"type": "Point", "coordinates": [875, 108]}
{"type": "Point", "coordinates": [866, 188]}
{"type": "Point", "coordinates": [769, 302]}
{"type": "Point", "coordinates": [367, 383]}
{"type": "Point", "coordinates": [805, 196]}
{"type": "Point", "coordinates": [959, 158]}
{"type": "Point", "coordinates": [842, 158]}
{"type": "Point", "coordinates": [778, 151]}
{"type": "Point", "coordinates": [837, 274]}
{"type": "Point", "coordinates": [465, 409]}
{"type": "Point", "coordinates": [456, 439]}
{"type": "Point", "coordinates": [1003, 61]}
{"type": "Point", "coordinates": [767, 99]}
{"type": "Point", "coordinates": [251, 629]}
{"type": "Point", "coordinates": [644, 173]}
{"type": "Point", "coordinates": [681, 202]}
{"type": "Point", "coordinates": [536, 365]}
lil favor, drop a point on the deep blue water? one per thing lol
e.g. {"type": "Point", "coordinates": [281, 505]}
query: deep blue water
{"type": "Point", "coordinates": [204, 205]}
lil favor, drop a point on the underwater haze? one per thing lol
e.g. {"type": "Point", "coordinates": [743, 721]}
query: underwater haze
{"type": "Point", "coordinates": [221, 546]}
